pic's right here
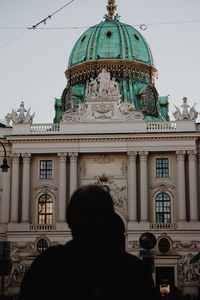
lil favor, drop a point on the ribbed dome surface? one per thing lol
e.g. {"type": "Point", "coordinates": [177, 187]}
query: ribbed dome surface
{"type": "Point", "coordinates": [111, 40]}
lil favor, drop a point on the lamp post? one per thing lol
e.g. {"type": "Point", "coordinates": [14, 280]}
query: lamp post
{"type": "Point", "coordinates": [5, 165]}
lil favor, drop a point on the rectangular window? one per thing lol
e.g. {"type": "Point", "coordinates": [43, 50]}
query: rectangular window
{"type": "Point", "coordinates": [46, 169]}
{"type": "Point", "coordinates": [162, 167]}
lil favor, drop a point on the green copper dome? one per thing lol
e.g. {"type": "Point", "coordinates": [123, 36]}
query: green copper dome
{"type": "Point", "coordinates": [123, 52]}
{"type": "Point", "coordinates": [111, 40]}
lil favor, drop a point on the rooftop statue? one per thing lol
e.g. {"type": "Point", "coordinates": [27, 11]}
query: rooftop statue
{"type": "Point", "coordinates": [20, 116]}
{"type": "Point", "coordinates": [103, 86]}
{"type": "Point", "coordinates": [187, 113]}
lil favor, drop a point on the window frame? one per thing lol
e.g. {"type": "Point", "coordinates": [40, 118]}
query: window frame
{"type": "Point", "coordinates": [45, 214]}
{"type": "Point", "coordinates": [162, 168]}
{"type": "Point", "coordinates": [163, 213]}
{"type": "Point", "coordinates": [46, 169]}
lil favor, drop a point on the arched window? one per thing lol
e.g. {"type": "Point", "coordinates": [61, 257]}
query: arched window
{"type": "Point", "coordinates": [45, 209]}
{"type": "Point", "coordinates": [163, 208]}
{"type": "Point", "coordinates": [42, 245]}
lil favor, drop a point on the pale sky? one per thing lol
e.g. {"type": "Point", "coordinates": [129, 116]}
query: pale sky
{"type": "Point", "coordinates": [32, 67]}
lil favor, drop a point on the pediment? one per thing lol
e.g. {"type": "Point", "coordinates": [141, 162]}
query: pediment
{"type": "Point", "coordinates": [163, 186]}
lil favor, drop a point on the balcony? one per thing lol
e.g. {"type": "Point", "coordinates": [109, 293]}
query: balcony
{"type": "Point", "coordinates": [163, 226]}
{"type": "Point", "coordinates": [42, 227]}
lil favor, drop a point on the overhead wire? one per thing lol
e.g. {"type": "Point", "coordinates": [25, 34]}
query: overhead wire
{"type": "Point", "coordinates": [49, 16]}
{"type": "Point", "coordinates": [33, 27]}
{"type": "Point", "coordinates": [141, 26]}
{"type": "Point", "coordinates": [14, 39]}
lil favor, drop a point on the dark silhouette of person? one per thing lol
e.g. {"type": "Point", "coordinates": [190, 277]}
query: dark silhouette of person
{"type": "Point", "coordinates": [94, 264]}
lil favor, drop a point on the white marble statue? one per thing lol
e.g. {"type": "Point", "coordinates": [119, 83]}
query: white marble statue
{"type": "Point", "coordinates": [103, 86]}
{"type": "Point", "coordinates": [20, 116]}
{"type": "Point", "coordinates": [187, 113]}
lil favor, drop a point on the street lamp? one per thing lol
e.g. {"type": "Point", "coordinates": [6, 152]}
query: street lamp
{"type": "Point", "coordinates": [5, 165]}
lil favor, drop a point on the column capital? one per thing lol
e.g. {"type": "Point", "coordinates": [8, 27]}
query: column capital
{"type": "Point", "coordinates": [192, 154]}
{"type": "Point", "coordinates": [132, 155]}
{"type": "Point", "coordinates": [198, 154]}
{"type": "Point", "coordinates": [15, 157]}
{"type": "Point", "coordinates": [26, 157]}
{"type": "Point", "coordinates": [180, 154]}
{"type": "Point", "coordinates": [62, 156]}
{"type": "Point", "coordinates": [143, 155]}
{"type": "Point", "coordinates": [73, 156]}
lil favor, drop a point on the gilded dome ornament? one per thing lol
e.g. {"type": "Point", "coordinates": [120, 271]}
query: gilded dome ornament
{"type": "Point", "coordinates": [111, 8]}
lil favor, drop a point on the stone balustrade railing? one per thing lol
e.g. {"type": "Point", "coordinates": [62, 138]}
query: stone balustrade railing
{"type": "Point", "coordinates": [105, 127]}
{"type": "Point", "coordinates": [161, 126]}
{"type": "Point", "coordinates": [42, 227]}
{"type": "Point", "coordinates": [163, 226]}
{"type": "Point", "coordinates": [45, 128]}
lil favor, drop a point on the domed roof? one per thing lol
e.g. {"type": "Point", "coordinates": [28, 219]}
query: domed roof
{"type": "Point", "coordinates": [111, 40]}
{"type": "Point", "coordinates": [121, 51]}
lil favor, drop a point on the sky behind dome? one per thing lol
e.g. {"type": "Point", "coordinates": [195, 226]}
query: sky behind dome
{"type": "Point", "coordinates": [32, 66]}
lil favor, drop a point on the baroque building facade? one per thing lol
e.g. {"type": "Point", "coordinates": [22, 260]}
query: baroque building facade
{"type": "Point", "coordinates": [111, 128]}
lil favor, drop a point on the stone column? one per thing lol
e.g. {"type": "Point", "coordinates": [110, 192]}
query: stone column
{"type": "Point", "coordinates": [73, 172]}
{"type": "Point", "coordinates": [132, 187]}
{"type": "Point", "coordinates": [181, 185]}
{"type": "Point", "coordinates": [198, 180]}
{"type": "Point", "coordinates": [193, 185]}
{"type": "Point", "coordinates": [15, 188]}
{"type": "Point", "coordinates": [26, 188]}
{"type": "Point", "coordinates": [5, 201]}
{"type": "Point", "coordinates": [144, 207]}
{"type": "Point", "coordinates": [62, 201]}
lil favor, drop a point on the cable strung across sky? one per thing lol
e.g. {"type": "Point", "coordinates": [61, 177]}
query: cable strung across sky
{"type": "Point", "coordinates": [50, 16]}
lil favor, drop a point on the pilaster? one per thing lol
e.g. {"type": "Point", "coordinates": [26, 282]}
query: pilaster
{"type": "Point", "coordinates": [132, 187]}
{"type": "Point", "coordinates": [144, 207]}
{"type": "Point", "coordinates": [181, 185]}
{"type": "Point", "coordinates": [192, 156]}
{"type": "Point", "coordinates": [15, 188]}
{"type": "Point", "coordinates": [73, 156]}
{"type": "Point", "coordinates": [26, 187]}
{"type": "Point", "coordinates": [62, 187]}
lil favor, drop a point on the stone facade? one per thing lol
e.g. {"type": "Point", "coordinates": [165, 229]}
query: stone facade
{"type": "Point", "coordinates": [124, 162]}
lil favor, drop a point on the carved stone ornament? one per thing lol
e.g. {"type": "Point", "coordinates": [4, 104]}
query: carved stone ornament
{"type": "Point", "coordinates": [20, 116]}
{"type": "Point", "coordinates": [119, 194]}
{"type": "Point", "coordinates": [129, 111]}
{"type": "Point", "coordinates": [103, 102]}
{"type": "Point", "coordinates": [103, 86]}
{"type": "Point", "coordinates": [75, 114]}
{"type": "Point", "coordinates": [189, 272]}
{"type": "Point", "coordinates": [192, 154]}
{"type": "Point", "coordinates": [45, 189]}
{"type": "Point", "coordinates": [104, 160]}
{"type": "Point", "coordinates": [180, 154]}
{"type": "Point", "coordinates": [187, 113]}
{"type": "Point", "coordinates": [133, 245]}
{"type": "Point", "coordinates": [150, 99]}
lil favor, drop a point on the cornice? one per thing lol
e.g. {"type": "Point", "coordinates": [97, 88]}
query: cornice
{"type": "Point", "coordinates": [97, 138]}
{"type": "Point", "coordinates": [84, 70]}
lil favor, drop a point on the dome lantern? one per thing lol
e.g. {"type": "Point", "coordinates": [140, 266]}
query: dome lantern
{"type": "Point", "coordinates": [111, 8]}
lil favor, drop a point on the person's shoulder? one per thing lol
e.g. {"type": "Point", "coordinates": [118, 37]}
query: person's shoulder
{"type": "Point", "coordinates": [132, 259]}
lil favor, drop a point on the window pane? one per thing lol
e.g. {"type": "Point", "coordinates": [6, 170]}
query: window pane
{"type": "Point", "coordinates": [46, 169]}
{"type": "Point", "coordinates": [163, 208]}
{"type": "Point", "coordinates": [45, 209]}
{"type": "Point", "coordinates": [162, 167]}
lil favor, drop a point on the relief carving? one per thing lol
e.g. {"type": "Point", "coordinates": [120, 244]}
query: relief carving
{"type": "Point", "coordinates": [103, 86]}
{"type": "Point", "coordinates": [104, 160]}
{"type": "Point", "coordinates": [189, 272]}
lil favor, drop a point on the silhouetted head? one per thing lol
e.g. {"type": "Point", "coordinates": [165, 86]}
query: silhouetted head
{"type": "Point", "coordinates": [90, 210]}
